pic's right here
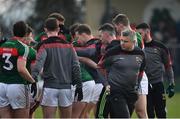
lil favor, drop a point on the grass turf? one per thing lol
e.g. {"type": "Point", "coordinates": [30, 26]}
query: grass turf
{"type": "Point", "coordinates": [173, 106]}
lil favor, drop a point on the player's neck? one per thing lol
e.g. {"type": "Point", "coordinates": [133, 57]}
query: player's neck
{"type": "Point", "coordinates": [148, 40]}
{"type": "Point", "coordinates": [51, 34]}
{"type": "Point", "coordinates": [18, 38]}
{"type": "Point", "coordinates": [131, 48]}
{"type": "Point", "coordinates": [128, 48]}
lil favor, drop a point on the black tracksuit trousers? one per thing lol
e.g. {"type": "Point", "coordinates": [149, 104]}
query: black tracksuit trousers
{"type": "Point", "coordinates": [117, 104]}
{"type": "Point", "coordinates": [156, 101]}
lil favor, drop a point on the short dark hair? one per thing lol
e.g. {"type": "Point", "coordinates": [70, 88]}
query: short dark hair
{"type": "Point", "coordinates": [108, 27]}
{"type": "Point", "coordinates": [122, 19]}
{"type": "Point", "coordinates": [51, 24]}
{"type": "Point", "coordinates": [83, 28]}
{"type": "Point", "coordinates": [143, 26]}
{"type": "Point", "coordinates": [20, 29]}
{"type": "Point", "coordinates": [58, 16]}
{"type": "Point", "coordinates": [72, 28]}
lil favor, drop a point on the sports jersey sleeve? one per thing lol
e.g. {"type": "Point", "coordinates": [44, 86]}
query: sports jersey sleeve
{"type": "Point", "coordinates": [166, 59]}
{"type": "Point", "coordinates": [42, 36]}
{"type": "Point", "coordinates": [85, 51]}
{"type": "Point", "coordinates": [32, 55]}
{"type": "Point", "coordinates": [140, 41]}
{"type": "Point", "coordinates": [104, 63]}
{"type": "Point", "coordinates": [23, 51]}
{"type": "Point", "coordinates": [107, 62]}
{"type": "Point", "coordinates": [39, 63]}
{"type": "Point", "coordinates": [76, 71]}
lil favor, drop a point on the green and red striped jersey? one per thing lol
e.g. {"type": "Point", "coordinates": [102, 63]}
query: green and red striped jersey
{"type": "Point", "coordinates": [10, 52]}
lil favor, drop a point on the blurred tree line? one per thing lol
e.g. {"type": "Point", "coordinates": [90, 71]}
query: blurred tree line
{"type": "Point", "coordinates": [72, 10]}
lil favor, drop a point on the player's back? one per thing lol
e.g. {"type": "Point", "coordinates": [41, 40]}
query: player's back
{"type": "Point", "coordinates": [10, 51]}
{"type": "Point", "coordinates": [59, 62]}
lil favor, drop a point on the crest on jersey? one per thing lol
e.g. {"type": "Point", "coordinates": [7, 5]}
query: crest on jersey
{"type": "Point", "coordinates": [138, 60]}
{"type": "Point", "coordinates": [155, 50]}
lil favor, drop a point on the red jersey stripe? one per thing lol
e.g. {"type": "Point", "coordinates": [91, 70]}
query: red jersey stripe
{"type": "Point", "coordinates": [57, 45]}
{"type": "Point", "coordinates": [12, 51]}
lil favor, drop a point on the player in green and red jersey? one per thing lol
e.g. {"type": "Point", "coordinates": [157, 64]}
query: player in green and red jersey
{"type": "Point", "coordinates": [28, 40]}
{"type": "Point", "coordinates": [14, 76]}
{"type": "Point", "coordinates": [63, 32]}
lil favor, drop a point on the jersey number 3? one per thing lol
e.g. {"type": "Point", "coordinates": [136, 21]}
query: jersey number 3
{"type": "Point", "coordinates": [8, 64]}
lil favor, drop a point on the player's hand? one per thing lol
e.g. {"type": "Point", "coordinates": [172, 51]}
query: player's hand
{"type": "Point", "coordinates": [34, 89]}
{"type": "Point", "coordinates": [170, 90]}
{"type": "Point", "coordinates": [79, 94]}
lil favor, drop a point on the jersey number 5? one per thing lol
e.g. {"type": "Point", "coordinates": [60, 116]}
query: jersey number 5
{"type": "Point", "coordinates": [9, 65]}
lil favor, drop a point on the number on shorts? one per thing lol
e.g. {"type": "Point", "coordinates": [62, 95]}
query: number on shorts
{"type": "Point", "coordinates": [9, 65]}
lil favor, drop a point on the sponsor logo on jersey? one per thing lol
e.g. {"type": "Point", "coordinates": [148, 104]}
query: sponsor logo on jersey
{"type": "Point", "coordinates": [121, 58]}
{"type": "Point", "coordinates": [138, 60]}
{"type": "Point", "coordinates": [155, 50]}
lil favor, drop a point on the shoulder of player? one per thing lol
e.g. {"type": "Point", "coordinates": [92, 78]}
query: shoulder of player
{"type": "Point", "coordinates": [113, 51]}
{"type": "Point", "coordinates": [138, 51]}
{"type": "Point", "coordinates": [16, 44]}
{"type": "Point", "coordinates": [160, 45]}
{"type": "Point", "coordinates": [112, 44]}
{"type": "Point", "coordinates": [32, 50]}
{"type": "Point", "coordinates": [32, 53]}
{"type": "Point", "coordinates": [39, 36]}
{"type": "Point", "coordinates": [93, 41]}
{"type": "Point", "coordinates": [51, 40]}
{"type": "Point", "coordinates": [55, 39]}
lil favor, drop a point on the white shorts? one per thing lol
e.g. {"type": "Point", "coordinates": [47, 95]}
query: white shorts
{"type": "Point", "coordinates": [57, 97]}
{"type": "Point", "coordinates": [40, 83]}
{"type": "Point", "coordinates": [96, 92]}
{"type": "Point", "coordinates": [87, 91]}
{"type": "Point", "coordinates": [15, 95]}
{"type": "Point", "coordinates": [143, 89]}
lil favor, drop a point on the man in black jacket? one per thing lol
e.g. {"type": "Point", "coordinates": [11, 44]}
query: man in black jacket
{"type": "Point", "coordinates": [158, 59]}
{"type": "Point", "coordinates": [125, 65]}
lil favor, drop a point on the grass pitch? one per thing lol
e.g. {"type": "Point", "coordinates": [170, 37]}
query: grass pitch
{"type": "Point", "coordinates": [173, 106]}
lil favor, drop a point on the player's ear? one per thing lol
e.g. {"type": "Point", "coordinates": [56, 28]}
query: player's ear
{"type": "Point", "coordinates": [147, 31]}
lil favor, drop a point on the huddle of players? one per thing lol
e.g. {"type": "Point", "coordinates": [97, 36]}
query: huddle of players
{"type": "Point", "coordinates": [76, 66]}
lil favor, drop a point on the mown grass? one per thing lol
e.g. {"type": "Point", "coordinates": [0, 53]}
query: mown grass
{"type": "Point", "coordinates": [173, 106]}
